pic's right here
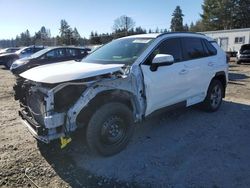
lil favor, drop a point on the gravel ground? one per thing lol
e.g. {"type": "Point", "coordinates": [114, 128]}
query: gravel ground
{"type": "Point", "coordinates": [184, 148]}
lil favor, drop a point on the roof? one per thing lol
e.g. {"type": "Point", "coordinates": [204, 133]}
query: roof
{"type": "Point", "coordinates": [56, 47]}
{"type": "Point", "coordinates": [155, 35]}
{"type": "Point", "coordinates": [176, 34]}
{"type": "Point", "coordinates": [150, 35]}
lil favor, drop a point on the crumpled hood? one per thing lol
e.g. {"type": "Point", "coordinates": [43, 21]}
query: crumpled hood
{"type": "Point", "coordinates": [67, 71]}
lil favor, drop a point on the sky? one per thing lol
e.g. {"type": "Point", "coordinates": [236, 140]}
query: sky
{"type": "Point", "coordinates": [89, 15]}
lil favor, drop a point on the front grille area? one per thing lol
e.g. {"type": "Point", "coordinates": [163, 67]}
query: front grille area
{"type": "Point", "coordinates": [36, 106]}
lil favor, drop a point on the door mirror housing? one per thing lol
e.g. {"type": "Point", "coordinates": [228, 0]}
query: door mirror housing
{"type": "Point", "coordinates": [161, 60]}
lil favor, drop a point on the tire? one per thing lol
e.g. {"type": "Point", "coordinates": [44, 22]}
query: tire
{"type": "Point", "coordinates": [213, 99]}
{"type": "Point", "coordinates": [110, 129]}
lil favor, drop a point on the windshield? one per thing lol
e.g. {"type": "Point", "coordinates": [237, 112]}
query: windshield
{"type": "Point", "coordinates": [19, 51]}
{"type": "Point", "coordinates": [245, 48]}
{"type": "Point", "coordinates": [39, 53]}
{"type": "Point", "coordinates": [120, 51]}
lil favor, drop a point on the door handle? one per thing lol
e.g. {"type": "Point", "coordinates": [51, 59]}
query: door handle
{"type": "Point", "coordinates": [183, 71]}
{"type": "Point", "coordinates": [211, 64]}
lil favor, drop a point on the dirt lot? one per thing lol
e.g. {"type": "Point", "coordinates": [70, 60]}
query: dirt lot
{"type": "Point", "coordinates": [184, 148]}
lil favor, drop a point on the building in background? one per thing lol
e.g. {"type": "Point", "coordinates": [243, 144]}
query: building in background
{"type": "Point", "coordinates": [230, 40]}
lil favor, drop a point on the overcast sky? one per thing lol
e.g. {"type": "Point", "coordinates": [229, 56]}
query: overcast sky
{"type": "Point", "coordinates": [89, 15]}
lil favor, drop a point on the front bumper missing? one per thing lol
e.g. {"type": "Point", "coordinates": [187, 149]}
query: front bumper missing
{"type": "Point", "coordinates": [42, 134]}
{"type": "Point", "coordinates": [34, 133]}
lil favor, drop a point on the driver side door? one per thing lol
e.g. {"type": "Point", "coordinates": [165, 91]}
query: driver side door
{"type": "Point", "coordinates": [168, 84]}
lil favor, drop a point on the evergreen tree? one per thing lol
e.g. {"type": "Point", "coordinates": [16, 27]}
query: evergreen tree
{"type": "Point", "coordinates": [66, 33]}
{"type": "Point", "coordinates": [76, 37]}
{"type": "Point", "coordinates": [177, 20]}
{"type": "Point", "coordinates": [165, 31]}
{"type": "Point", "coordinates": [185, 27]}
{"type": "Point", "coordinates": [197, 27]}
{"type": "Point", "coordinates": [242, 14]}
{"type": "Point", "coordinates": [223, 14]}
{"type": "Point", "coordinates": [95, 38]}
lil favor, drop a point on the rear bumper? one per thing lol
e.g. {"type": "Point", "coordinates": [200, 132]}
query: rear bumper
{"type": "Point", "coordinates": [243, 59]}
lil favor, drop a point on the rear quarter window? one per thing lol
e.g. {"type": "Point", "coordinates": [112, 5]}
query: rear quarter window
{"type": "Point", "coordinates": [71, 52]}
{"type": "Point", "coordinates": [211, 50]}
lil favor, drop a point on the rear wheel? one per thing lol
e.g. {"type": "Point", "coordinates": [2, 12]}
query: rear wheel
{"type": "Point", "coordinates": [110, 129]}
{"type": "Point", "coordinates": [213, 99]}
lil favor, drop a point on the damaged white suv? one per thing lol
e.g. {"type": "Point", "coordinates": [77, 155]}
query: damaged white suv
{"type": "Point", "coordinates": [120, 84]}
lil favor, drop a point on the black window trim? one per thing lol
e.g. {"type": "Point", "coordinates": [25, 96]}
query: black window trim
{"type": "Point", "coordinates": [64, 51]}
{"type": "Point", "coordinates": [70, 48]}
{"type": "Point", "coordinates": [201, 39]}
{"type": "Point", "coordinates": [210, 42]}
{"type": "Point", "coordinates": [159, 43]}
{"type": "Point", "coordinates": [182, 48]}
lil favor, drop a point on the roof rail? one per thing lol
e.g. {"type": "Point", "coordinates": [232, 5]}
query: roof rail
{"type": "Point", "coordinates": [183, 32]}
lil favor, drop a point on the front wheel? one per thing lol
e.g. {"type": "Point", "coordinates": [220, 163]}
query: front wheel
{"type": "Point", "coordinates": [10, 62]}
{"type": "Point", "coordinates": [110, 129]}
{"type": "Point", "coordinates": [213, 99]}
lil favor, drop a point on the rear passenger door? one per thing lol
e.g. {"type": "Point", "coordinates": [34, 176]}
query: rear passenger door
{"type": "Point", "coordinates": [196, 62]}
{"type": "Point", "coordinates": [53, 56]}
{"type": "Point", "coordinates": [72, 54]}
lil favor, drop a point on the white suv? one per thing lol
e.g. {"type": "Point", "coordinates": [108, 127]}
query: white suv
{"type": "Point", "coordinates": [119, 84]}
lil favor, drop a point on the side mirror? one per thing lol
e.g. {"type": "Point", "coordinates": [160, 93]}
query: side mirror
{"type": "Point", "coordinates": [161, 60]}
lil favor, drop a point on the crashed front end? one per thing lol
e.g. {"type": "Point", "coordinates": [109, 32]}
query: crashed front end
{"type": "Point", "coordinates": [50, 111]}
{"type": "Point", "coordinates": [43, 108]}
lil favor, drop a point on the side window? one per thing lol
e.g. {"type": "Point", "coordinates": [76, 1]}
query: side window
{"type": "Point", "coordinates": [210, 49]}
{"type": "Point", "coordinates": [169, 46]}
{"type": "Point", "coordinates": [193, 48]}
{"type": "Point", "coordinates": [239, 40]}
{"type": "Point", "coordinates": [57, 53]}
{"type": "Point", "coordinates": [70, 52]}
{"type": "Point", "coordinates": [37, 49]}
{"type": "Point", "coordinates": [27, 51]}
{"type": "Point", "coordinates": [83, 52]}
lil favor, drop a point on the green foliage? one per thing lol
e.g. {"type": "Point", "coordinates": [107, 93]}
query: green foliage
{"type": "Point", "coordinates": [42, 37]}
{"type": "Point", "coordinates": [242, 14]}
{"type": "Point", "coordinates": [197, 27]}
{"type": "Point", "coordinates": [225, 14]}
{"type": "Point", "coordinates": [177, 20]}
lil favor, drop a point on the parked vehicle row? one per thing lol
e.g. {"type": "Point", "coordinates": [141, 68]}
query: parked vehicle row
{"type": "Point", "coordinates": [47, 56]}
{"type": "Point", "coordinates": [120, 83]}
{"type": "Point", "coordinates": [29, 57]}
{"type": "Point", "coordinates": [9, 50]}
{"type": "Point", "coordinates": [9, 58]}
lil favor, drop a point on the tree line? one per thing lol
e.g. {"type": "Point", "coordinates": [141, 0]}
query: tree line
{"type": "Point", "coordinates": [216, 15]}
{"type": "Point", "coordinates": [222, 15]}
